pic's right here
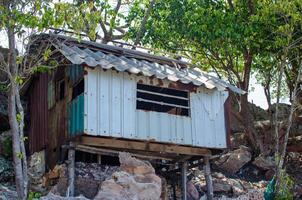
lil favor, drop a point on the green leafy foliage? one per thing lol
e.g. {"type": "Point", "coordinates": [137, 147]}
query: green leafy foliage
{"type": "Point", "coordinates": [3, 87]}
{"type": "Point", "coordinates": [216, 35]}
{"type": "Point", "coordinates": [286, 187]}
{"type": "Point", "coordinates": [20, 155]}
{"type": "Point", "coordinates": [34, 195]}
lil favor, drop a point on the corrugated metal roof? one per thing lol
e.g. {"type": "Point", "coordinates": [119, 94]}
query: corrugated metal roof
{"type": "Point", "coordinates": [135, 62]}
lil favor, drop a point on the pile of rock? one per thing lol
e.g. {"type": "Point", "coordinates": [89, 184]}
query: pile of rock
{"type": "Point", "coordinates": [88, 177]}
{"type": "Point", "coordinates": [136, 180]}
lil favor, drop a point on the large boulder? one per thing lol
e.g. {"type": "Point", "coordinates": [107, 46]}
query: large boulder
{"type": "Point", "coordinates": [136, 181]}
{"type": "Point", "coordinates": [264, 163]}
{"type": "Point", "coordinates": [233, 161]}
{"type": "Point", "coordinates": [192, 192]}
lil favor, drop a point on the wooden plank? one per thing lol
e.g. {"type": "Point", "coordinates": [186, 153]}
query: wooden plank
{"type": "Point", "coordinates": [112, 152]}
{"type": "Point", "coordinates": [143, 146]}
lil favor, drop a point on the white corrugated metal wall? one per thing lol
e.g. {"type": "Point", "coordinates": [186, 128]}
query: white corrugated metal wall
{"type": "Point", "coordinates": [110, 110]}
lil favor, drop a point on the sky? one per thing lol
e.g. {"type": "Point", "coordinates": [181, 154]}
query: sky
{"type": "Point", "coordinates": [257, 95]}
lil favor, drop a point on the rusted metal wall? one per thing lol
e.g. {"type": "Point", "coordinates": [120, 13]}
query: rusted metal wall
{"type": "Point", "coordinates": [38, 128]}
{"type": "Point", "coordinates": [48, 114]}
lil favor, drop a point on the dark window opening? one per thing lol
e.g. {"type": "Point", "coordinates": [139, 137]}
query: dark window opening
{"type": "Point", "coordinates": [78, 89]}
{"type": "Point", "coordinates": [61, 89]}
{"type": "Point", "coordinates": [159, 99]}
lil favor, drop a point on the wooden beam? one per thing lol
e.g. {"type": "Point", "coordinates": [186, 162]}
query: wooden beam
{"type": "Point", "coordinates": [143, 146]}
{"type": "Point", "coordinates": [112, 152]}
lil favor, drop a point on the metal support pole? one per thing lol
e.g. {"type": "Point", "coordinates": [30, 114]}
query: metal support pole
{"type": "Point", "coordinates": [184, 180]}
{"type": "Point", "coordinates": [71, 170]}
{"type": "Point", "coordinates": [209, 182]}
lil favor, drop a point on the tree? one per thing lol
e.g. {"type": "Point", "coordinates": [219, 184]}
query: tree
{"type": "Point", "coordinates": [230, 38]}
{"type": "Point", "coordinates": [102, 19]}
{"type": "Point", "coordinates": [20, 19]}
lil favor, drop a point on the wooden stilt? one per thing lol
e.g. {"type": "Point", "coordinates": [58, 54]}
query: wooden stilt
{"type": "Point", "coordinates": [99, 159]}
{"type": "Point", "coordinates": [71, 170]}
{"type": "Point", "coordinates": [184, 180]}
{"type": "Point", "coordinates": [209, 182]}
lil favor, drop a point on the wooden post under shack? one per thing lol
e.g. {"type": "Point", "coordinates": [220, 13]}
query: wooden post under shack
{"type": "Point", "coordinates": [184, 180]}
{"type": "Point", "coordinates": [209, 182]}
{"type": "Point", "coordinates": [71, 170]}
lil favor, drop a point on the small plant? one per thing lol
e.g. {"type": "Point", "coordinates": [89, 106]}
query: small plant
{"type": "Point", "coordinates": [286, 187]}
{"type": "Point", "coordinates": [34, 195]}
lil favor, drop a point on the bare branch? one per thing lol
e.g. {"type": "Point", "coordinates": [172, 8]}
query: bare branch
{"type": "Point", "coordinates": [144, 21]}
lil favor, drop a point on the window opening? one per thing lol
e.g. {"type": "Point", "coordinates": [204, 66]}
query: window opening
{"type": "Point", "coordinates": [78, 89]}
{"type": "Point", "coordinates": [61, 89]}
{"type": "Point", "coordinates": [160, 99]}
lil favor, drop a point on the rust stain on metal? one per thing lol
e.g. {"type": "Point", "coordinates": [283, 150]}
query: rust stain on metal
{"type": "Point", "coordinates": [181, 86]}
{"type": "Point", "coordinates": [152, 79]}
{"type": "Point", "coordinates": [160, 82]}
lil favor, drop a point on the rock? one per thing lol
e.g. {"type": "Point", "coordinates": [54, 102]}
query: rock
{"type": "Point", "coordinates": [88, 177]}
{"type": "Point", "coordinates": [298, 191]}
{"type": "Point", "coordinates": [36, 171]}
{"type": "Point", "coordinates": [37, 163]}
{"type": "Point", "coordinates": [6, 170]}
{"type": "Point", "coordinates": [52, 196]}
{"type": "Point", "coordinates": [234, 160]}
{"type": "Point", "coordinates": [238, 139]}
{"type": "Point", "coordinates": [222, 187]}
{"type": "Point", "coordinates": [134, 166]}
{"type": "Point", "coordinates": [237, 188]}
{"type": "Point", "coordinates": [7, 193]}
{"type": "Point", "coordinates": [55, 173]}
{"type": "Point", "coordinates": [269, 174]}
{"type": "Point", "coordinates": [136, 180]}
{"type": "Point", "coordinates": [264, 125]}
{"type": "Point", "coordinates": [164, 193]}
{"type": "Point", "coordinates": [264, 163]}
{"type": "Point", "coordinates": [218, 175]}
{"type": "Point", "coordinates": [192, 192]}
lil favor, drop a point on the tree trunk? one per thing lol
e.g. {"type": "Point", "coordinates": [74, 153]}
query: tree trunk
{"type": "Point", "coordinates": [289, 124]}
{"type": "Point", "coordinates": [22, 140]}
{"type": "Point", "coordinates": [12, 114]}
{"type": "Point", "coordinates": [247, 118]}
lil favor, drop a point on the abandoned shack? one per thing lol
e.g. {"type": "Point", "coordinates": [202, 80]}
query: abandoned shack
{"type": "Point", "coordinates": [121, 99]}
